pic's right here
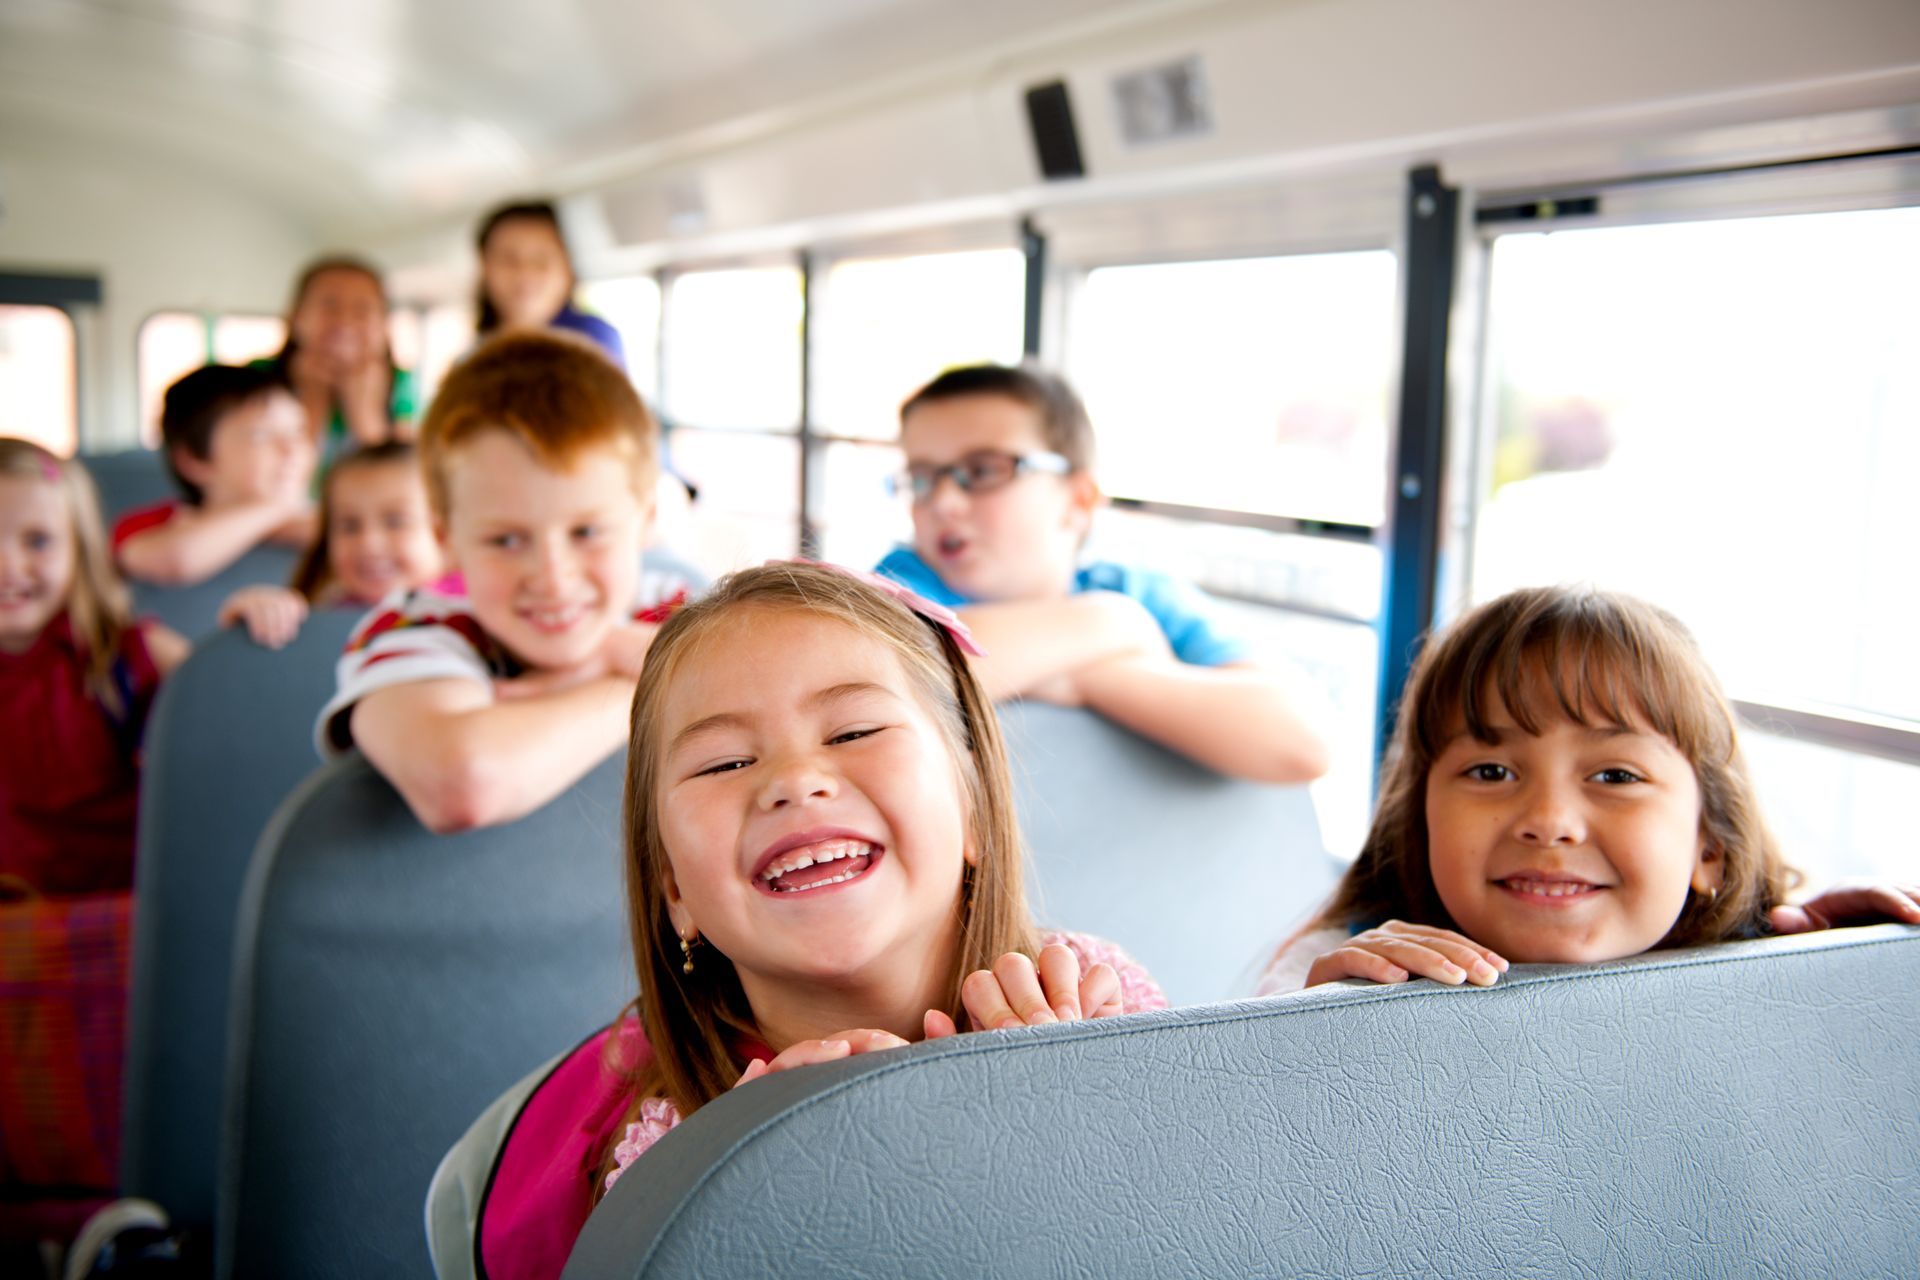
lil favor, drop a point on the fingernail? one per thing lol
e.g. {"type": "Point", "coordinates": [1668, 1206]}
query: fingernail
{"type": "Point", "coordinates": [1454, 973]}
{"type": "Point", "coordinates": [1484, 973]}
{"type": "Point", "coordinates": [839, 1046]}
{"type": "Point", "coordinates": [1067, 1013]}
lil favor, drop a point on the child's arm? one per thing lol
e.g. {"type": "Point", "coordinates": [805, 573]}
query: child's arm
{"type": "Point", "coordinates": [461, 759]}
{"type": "Point", "coordinates": [1850, 902]}
{"type": "Point", "coordinates": [1032, 643]}
{"type": "Point", "coordinates": [1241, 719]}
{"type": "Point", "coordinates": [1396, 951]}
{"type": "Point", "coordinates": [272, 615]}
{"type": "Point", "coordinates": [194, 545]}
{"type": "Point", "coordinates": [167, 647]}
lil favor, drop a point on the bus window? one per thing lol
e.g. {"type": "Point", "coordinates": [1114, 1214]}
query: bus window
{"type": "Point", "coordinates": [631, 304]}
{"type": "Point", "coordinates": [1251, 385]}
{"type": "Point", "coordinates": [38, 377]}
{"type": "Point", "coordinates": [175, 343]}
{"type": "Point", "coordinates": [881, 328]}
{"type": "Point", "coordinates": [749, 507]}
{"type": "Point", "coordinates": [732, 349]}
{"type": "Point", "coordinates": [1718, 416]}
{"type": "Point", "coordinates": [1232, 399]}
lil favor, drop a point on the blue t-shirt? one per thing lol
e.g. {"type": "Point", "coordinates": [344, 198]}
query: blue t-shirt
{"type": "Point", "coordinates": [594, 328]}
{"type": "Point", "coordinates": [1183, 613]}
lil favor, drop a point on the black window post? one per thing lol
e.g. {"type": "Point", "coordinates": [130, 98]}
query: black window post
{"type": "Point", "coordinates": [810, 469]}
{"type": "Point", "coordinates": [1033, 246]}
{"type": "Point", "coordinates": [1413, 546]}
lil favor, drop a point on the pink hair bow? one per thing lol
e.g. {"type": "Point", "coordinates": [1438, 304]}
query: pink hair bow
{"type": "Point", "coordinates": [939, 615]}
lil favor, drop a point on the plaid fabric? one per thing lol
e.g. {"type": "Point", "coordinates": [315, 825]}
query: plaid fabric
{"type": "Point", "coordinates": [63, 996]}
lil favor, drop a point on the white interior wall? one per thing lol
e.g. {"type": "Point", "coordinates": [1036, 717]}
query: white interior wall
{"type": "Point", "coordinates": [1303, 91]}
{"type": "Point", "coordinates": [158, 237]}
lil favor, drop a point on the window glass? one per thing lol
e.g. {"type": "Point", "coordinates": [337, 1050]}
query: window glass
{"type": "Point", "coordinates": [239, 339]}
{"type": "Point", "coordinates": [1837, 814]}
{"type": "Point", "coordinates": [37, 377]}
{"type": "Point", "coordinates": [732, 358]}
{"type": "Point", "coordinates": [1258, 384]}
{"type": "Point", "coordinates": [859, 521]}
{"type": "Point", "coordinates": [173, 344]}
{"type": "Point", "coordinates": [1719, 416]}
{"type": "Point", "coordinates": [883, 327]}
{"type": "Point", "coordinates": [631, 304]}
{"type": "Point", "coordinates": [749, 505]}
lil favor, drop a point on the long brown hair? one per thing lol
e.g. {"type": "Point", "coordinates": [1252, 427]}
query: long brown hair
{"type": "Point", "coordinates": [1595, 658]}
{"type": "Point", "coordinates": [694, 1022]}
{"type": "Point", "coordinates": [314, 576]}
{"type": "Point", "coordinates": [98, 607]}
{"type": "Point", "coordinates": [487, 316]}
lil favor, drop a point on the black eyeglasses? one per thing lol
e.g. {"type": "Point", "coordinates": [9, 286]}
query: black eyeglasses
{"type": "Point", "coordinates": [981, 472]}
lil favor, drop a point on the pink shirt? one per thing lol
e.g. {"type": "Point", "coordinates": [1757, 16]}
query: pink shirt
{"type": "Point", "coordinates": [542, 1188]}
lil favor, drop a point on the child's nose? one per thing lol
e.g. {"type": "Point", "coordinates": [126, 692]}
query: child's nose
{"type": "Point", "coordinates": [1551, 816]}
{"type": "Point", "coordinates": [556, 565]}
{"type": "Point", "coordinates": [795, 779]}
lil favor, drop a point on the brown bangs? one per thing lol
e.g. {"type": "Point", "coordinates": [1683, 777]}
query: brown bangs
{"type": "Point", "coordinates": [1597, 660]}
{"type": "Point", "coordinates": [555, 393]}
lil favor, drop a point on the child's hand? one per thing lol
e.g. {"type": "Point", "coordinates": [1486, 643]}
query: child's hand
{"type": "Point", "coordinates": [1850, 902]}
{"type": "Point", "coordinates": [808, 1052]}
{"type": "Point", "coordinates": [1018, 993]}
{"type": "Point", "coordinates": [1397, 951]}
{"type": "Point", "coordinates": [272, 615]}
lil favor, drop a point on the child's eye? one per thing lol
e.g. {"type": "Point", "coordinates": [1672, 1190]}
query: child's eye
{"type": "Point", "coordinates": [725, 766]}
{"type": "Point", "coordinates": [39, 540]}
{"type": "Point", "coordinates": [1617, 776]}
{"type": "Point", "coordinates": [587, 531]}
{"type": "Point", "coordinates": [1488, 772]}
{"type": "Point", "coordinates": [853, 735]}
{"type": "Point", "coordinates": [507, 541]}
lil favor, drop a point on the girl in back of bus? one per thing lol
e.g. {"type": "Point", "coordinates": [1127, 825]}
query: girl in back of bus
{"type": "Point", "coordinates": [822, 860]}
{"type": "Point", "coordinates": [1565, 785]}
{"type": "Point", "coordinates": [376, 537]}
{"type": "Point", "coordinates": [77, 677]}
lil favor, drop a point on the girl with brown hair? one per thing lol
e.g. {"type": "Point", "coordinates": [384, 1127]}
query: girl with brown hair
{"type": "Point", "coordinates": [1565, 785]}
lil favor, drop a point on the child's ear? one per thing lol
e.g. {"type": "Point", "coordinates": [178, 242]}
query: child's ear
{"type": "Point", "coordinates": [195, 471]}
{"type": "Point", "coordinates": [677, 910]}
{"type": "Point", "coordinates": [1083, 497]}
{"type": "Point", "coordinates": [1709, 870]}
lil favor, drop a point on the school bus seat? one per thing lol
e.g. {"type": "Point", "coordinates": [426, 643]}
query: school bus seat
{"type": "Point", "coordinates": [389, 983]}
{"type": "Point", "coordinates": [1198, 876]}
{"type": "Point", "coordinates": [128, 478]}
{"type": "Point", "coordinates": [1751, 1109]}
{"type": "Point", "coordinates": [231, 736]}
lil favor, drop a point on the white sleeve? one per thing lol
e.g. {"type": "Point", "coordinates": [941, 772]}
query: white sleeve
{"type": "Point", "coordinates": [1288, 972]}
{"type": "Point", "coordinates": [390, 648]}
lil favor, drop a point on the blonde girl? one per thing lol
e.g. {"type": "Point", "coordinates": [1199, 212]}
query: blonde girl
{"type": "Point", "coordinates": [1565, 784]}
{"type": "Point", "coordinates": [822, 859]}
{"type": "Point", "coordinates": [77, 668]}
{"type": "Point", "coordinates": [376, 536]}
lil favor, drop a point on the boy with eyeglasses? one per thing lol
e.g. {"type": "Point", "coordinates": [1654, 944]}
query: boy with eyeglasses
{"type": "Point", "coordinates": [999, 470]}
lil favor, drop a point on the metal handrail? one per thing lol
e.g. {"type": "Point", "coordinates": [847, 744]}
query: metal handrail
{"type": "Point", "coordinates": [1843, 728]}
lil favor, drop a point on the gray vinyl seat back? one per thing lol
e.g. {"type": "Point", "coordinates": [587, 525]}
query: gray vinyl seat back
{"type": "Point", "coordinates": [230, 737]}
{"type": "Point", "coordinates": [388, 984]}
{"type": "Point", "coordinates": [127, 479]}
{"type": "Point", "coordinates": [1197, 875]}
{"type": "Point", "coordinates": [1737, 1111]}
{"type": "Point", "coordinates": [194, 611]}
